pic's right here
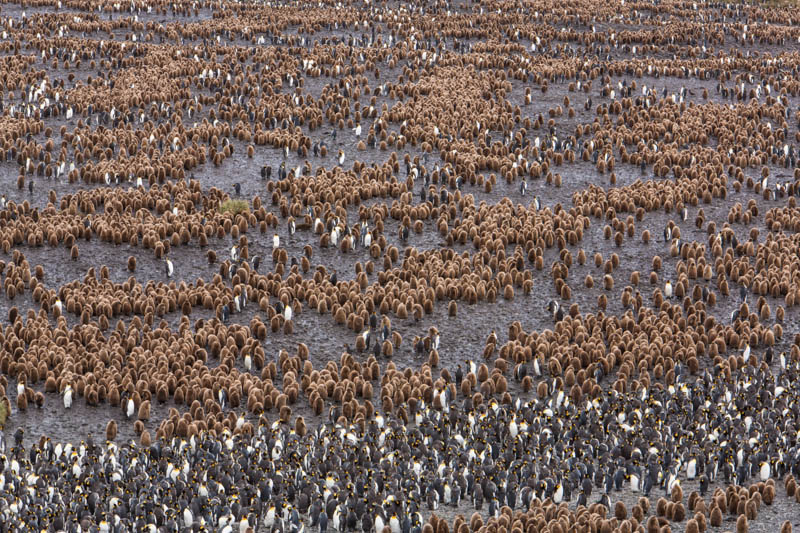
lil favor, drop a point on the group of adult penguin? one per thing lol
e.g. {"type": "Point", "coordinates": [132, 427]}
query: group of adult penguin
{"type": "Point", "coordinates": [386, 474]}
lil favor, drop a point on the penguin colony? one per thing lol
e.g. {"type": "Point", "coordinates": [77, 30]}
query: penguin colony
{"type": "Point", "coordinates": [616, 183]}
